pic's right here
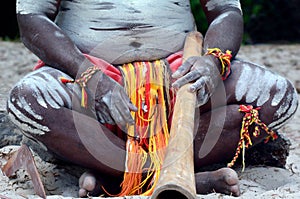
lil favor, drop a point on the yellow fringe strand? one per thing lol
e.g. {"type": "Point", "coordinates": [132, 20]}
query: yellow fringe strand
{"type": "Point", "coordinates": [147, 85]}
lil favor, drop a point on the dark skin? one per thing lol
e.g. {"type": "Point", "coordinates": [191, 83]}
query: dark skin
{"type": "Point", "coordinates": [81, 128]}
{"type": "Point", "coordinates": [62, 54]}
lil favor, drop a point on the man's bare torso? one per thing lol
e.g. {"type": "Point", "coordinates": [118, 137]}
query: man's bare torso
{"type": "Point", "coordinates": [126, 30]}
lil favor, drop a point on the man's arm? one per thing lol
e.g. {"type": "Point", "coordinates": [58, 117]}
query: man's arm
{"type": "Point", "coordinates": [44, 38]}
{"type": "Point", "coordinates": [225, 33]}
{"type": "Point", "coordinates": [225, 21]}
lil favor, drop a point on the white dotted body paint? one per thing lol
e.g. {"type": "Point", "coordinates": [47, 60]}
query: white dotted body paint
{"type": "Point", "coordinates": [212, 4]}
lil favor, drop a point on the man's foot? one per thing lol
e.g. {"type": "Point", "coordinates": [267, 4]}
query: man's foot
{"type": "Point", "coordinates": [91, 184]}
{"type": "Point", "coordinates": [88, 185]}
{"type": "Point", "coordinates": [224, 180]}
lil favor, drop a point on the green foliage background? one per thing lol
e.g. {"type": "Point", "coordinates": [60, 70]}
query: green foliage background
{"type": "Point", "coordinates": [264, 20]}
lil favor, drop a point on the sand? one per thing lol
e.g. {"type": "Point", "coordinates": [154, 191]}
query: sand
{"type": "Point", "coordinates": [60, 181]}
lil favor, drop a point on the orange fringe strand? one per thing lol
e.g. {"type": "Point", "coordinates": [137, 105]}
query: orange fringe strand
{"type": "Point", "coordinates": [251, 117]}
{"type": "Point", "coordinates": [224, 59]}
{"type": "Point", "coordinates": [147, 86]}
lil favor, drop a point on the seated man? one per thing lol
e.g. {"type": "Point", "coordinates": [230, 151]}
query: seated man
{"type": "Point", "coordinates": [103, 92]}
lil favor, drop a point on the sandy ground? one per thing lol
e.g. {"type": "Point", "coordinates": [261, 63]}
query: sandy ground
{"type": "Point", "coordinates": [60, 181]}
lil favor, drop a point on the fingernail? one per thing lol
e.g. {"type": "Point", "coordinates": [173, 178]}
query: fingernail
{"type": "Point", "coordinates": [175, 74]}
{"type": "Point", "coordinates": [175, 86]}
{"type": "Point", "coordinates": [192, 88]}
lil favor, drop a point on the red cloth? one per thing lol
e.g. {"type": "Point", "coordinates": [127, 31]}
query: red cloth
{"type": "Point", "coordinates": [174, 60]}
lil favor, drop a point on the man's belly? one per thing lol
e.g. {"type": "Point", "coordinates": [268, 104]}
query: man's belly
{"type": "Point", "coordinates": [128, 30]}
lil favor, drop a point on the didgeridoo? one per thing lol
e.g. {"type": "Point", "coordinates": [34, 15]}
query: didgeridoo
{"type": "Point", "coordinates": [177, 178]}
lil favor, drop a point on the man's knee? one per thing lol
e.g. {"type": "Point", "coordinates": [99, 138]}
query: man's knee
{"type": "Point", "coordinates": [41, 91]}
{"type": "Point", "coordinates": [22, 113]}
{"type": "Point", "coordinates": [287, 107]}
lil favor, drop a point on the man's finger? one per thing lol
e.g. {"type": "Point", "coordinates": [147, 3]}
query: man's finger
{"type": "Point", "coordinates": [190, 77]}
{"type": "Point", "coordinates": [198, 84]}
{"type": "Point", "coordinates": [122, 115]}
{"type": "Point", "coordinates": [202, 97]}
{"type": "Point", "coordinates": [129, 103]}
{"type": "Point", "coordinates": [132, 107]}
{"type": "Point", "coordinates": [182, 70]}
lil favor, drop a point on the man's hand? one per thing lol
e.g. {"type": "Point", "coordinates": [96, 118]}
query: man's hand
{"type": "Point", "coordinates": [204, 75]}
{"type": "Point", "coordinates": [112, 104]}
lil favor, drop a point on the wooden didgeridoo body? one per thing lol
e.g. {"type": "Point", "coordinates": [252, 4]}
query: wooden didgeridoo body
{"type": "Point", "coordinates": [177, 178]}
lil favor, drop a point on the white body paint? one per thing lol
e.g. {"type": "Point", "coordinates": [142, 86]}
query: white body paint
{"type": "Point", "coordinates": [25, 123]}
{"type": "Point", "coordinates": [281, 87]}
{"type": "Point", "coordinates": [249, 87]}
{"type": "Point", "coordinates": [139, 30]}
{"type": "Point", "coordinates": [213, 4]}
{"type": "Point", "coordinates": [51, 87]}
{"type": "Point", "coordinates": [220, 18]}
{"type": "Point", "coordinates": [255, 86]}
{"type": "Point", "coordinates": [26, 105]}
{"type": "Point", "coordinates": [285, 111]}
{"type": "Point", "coordinates": [133, 30]}
{"type": "Point", "coordinates": [40, 6]}
{"type": "Point", "coordinates": [46, 91]}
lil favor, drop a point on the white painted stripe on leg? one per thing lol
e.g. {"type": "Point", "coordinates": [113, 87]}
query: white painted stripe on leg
{"type": "Point", "coordinates": [242, 83]}
{"type": "Point", "coordinates": [48, 91]}
{"type": "Point", "coordinates": [54, 82]}
{"type": "Point", "coordinates": [22, 121]}
{"type": "Point", "coordinates": [27, 107]}
{"type": "Point", "coordinates": [255, 88]}
{"type": "Point", "coordinates": [269, 81]}
{"type": "Point", "coordinates": [281, 87]}
{"type": "Point", "coordinates": [286, 111]}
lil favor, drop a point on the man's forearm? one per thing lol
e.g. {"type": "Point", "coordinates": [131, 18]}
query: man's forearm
{"type": "Point", "coordinates": [225, 32]}
{"type": "Point", "coordinates": [49, 43]}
